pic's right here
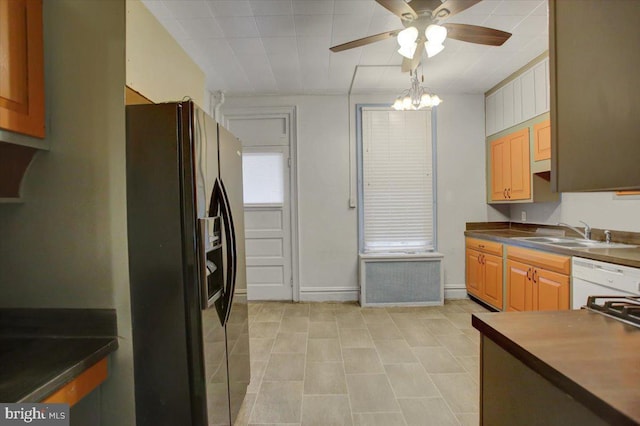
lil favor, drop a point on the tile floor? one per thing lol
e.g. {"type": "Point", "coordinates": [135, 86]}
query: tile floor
{"type": "Point", "coordinates": [340, 364]}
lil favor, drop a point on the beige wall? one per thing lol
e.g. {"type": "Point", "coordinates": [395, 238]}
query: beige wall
{"type": "Point", "coordinates": [157, 66]}
{"type": "Point", "coordinates": [66, 244]}
{"type": "Point", "coordinates": [328, 228]}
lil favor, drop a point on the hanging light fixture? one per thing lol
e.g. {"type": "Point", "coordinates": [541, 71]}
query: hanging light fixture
{"type": "Point", "coordinates": [416, 97]}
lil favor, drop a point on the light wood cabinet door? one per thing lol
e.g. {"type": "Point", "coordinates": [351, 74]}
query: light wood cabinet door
{"type": "Point", "coordinates": [21, 67]}
{"type": "Point", "coordinates": [492, 288]}
{"type": "Point", "coordinates": [499, 169]}
{"type": "Point", "coordinates": [510, 167]}
{"type": "Point", "coordinates": [519, 286]}
{"type": "Point", "coordinates": [474, 272]}
{"type": "Point", "coordinates": [519, 179]}
{"type": "Point", "coordinates": [552, 290]}
{"type": "Point", "coordinates": [542, 141]}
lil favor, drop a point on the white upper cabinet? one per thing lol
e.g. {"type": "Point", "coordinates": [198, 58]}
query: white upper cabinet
{"type": "Point", "coordinates": [521, 99]}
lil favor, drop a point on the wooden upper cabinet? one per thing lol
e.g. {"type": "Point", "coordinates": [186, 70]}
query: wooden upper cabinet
{"type": "Point", "coordinates": [511, 167]}
{"type": "Point", "coordinates": [594, 63]}
{"type": "Point", "coordinates": [520, 166]}
{"type": "Point", "coordinates": [542, 141]}
{"type": "Point", "coordinates": [21, 67]}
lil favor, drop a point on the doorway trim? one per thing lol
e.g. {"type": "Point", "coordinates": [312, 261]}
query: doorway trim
{"type": "Point", "coordinates": [289, 113]}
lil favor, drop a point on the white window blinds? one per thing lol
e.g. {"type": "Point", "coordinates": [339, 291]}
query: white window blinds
{"type": "Point", "coordinates": [397, 181]}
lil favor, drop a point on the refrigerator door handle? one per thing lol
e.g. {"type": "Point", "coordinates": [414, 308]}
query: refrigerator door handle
{"type": "Point", "coordinates": [232, 257]}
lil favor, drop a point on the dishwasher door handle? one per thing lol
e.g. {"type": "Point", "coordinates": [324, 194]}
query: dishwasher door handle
{"type": "Point", "coordinates": [609, 270]}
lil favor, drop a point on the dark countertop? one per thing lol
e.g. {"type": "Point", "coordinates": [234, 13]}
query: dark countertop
{"type": "Point", "coordinates": [43, 349]}
{"type": "Point", "coordinates": [620, 256]}
{"type": "Point", "coordinates": [593, 358]}
{"type": "Point", "coordinates": [33, 368]}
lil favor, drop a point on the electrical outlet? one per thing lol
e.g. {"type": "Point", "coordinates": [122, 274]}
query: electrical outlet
{"type": "Point", "coordinates": [523, 216]}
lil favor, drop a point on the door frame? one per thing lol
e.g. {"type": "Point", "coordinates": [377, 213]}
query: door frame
{"type": "Point", "coordinates": [290, 116]}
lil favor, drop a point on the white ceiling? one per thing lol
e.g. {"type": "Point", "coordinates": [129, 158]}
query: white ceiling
{"type": "Point", "coordinates": [251, 47]}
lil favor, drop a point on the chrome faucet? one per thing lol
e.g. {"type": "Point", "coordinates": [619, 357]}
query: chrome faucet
{"type": "Point", "coordinates": [587, 229]}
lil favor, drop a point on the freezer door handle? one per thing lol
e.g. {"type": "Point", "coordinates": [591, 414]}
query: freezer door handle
{"type": "Point", "coordinates": [219, 206]}
{"type": "Point", "coordinates": [210, 261]}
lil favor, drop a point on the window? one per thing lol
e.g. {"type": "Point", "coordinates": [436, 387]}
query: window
{"type": "Point", "coordinates": [262, 177]}
{"type": "Point", "coordinates": [396, 181]}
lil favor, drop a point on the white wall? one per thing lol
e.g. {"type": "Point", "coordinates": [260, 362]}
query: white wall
{"type": "Point", "coordinates": [157, 66]}
{"type": "Point", "coordinates": [461, 182]}
{"type": "Point", "coordinates": [328, 226]}
{"type": "Point", "coordinates": [66, 245]}
{"type": "Point", "coordinates": [603, 210]}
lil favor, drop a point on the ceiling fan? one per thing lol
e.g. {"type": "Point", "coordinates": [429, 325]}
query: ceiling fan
{"type": "Point", "coordinates": [423, 29]}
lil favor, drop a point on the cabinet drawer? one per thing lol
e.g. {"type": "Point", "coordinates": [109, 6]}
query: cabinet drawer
{"type": "Point", "coordinates": [485, 246]}
{"type": "Point", "coordinates": [80, 387]}
{"type": "Point", "coordinates": [551, 262]}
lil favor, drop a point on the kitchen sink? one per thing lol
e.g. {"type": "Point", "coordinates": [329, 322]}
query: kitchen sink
{"type": "Point", "coordinates": [549, 240]}
{"type": "Point", "coordinates": [568, 242]}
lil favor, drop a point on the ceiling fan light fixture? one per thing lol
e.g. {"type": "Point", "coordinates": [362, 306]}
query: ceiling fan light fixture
{"type": "Point", "coordinates": [435, 34]}
{"type": "Point", "coordinates": [433, 49]}
{"type": "Point", "coordinates": [397, 105]}
{"type": "Point", "coordinates": [408, 50]}
{"type": "Point", "coordinates": [408, 36]}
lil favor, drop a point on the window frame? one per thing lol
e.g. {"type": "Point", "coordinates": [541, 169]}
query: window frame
{"type": "Point", "coordinates": [360, 108]}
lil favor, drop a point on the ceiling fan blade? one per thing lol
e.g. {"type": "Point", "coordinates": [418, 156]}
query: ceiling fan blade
{"type": "Point", "coordinates": [398, 7]}
{"type": "Point", "coordinates": [364, 41]}
{"type": "Point", "coordinates": [476, 34]}
{"type": "Point", "coordinates": [451, 7]}
{"type": "Point", "coordinates": [417, 55]}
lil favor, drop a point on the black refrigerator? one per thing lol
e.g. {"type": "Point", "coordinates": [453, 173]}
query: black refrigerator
{"type": "Point", "coordinates": [187, 266]}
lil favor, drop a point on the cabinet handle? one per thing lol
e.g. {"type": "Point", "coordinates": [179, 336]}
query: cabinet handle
{"type": "Point", "coordinates": [504, 193]}
{"type": "Point", "coordinates": [479, 261]}
{"type": "Point", "coordinates": [535, 272]}
{"type": "Point", "coordinates": [481, 245]}
{"type": "Point", "coordinates": [482, 260]}
{"type": "Point", "coordinates": [529, 274]}
{"type": "Point", "coordinates": [509, 192]}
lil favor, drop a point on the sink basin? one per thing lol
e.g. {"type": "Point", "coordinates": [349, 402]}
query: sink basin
{"type": "Point", "coordinates": [549, 240]}
{"type": "Point", "coordinates": [591, 244]}
{"type": "Point", "coordinates": [569, 242]}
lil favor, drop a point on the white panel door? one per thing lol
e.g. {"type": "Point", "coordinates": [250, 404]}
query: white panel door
{"type": "Point", "coordinates": [267, 204]}
{"type": "Point", "coordinates": [267, 223]}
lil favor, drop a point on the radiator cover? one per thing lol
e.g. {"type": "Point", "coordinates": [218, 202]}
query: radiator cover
{"type": "Point", "coordinates": [401, 279]}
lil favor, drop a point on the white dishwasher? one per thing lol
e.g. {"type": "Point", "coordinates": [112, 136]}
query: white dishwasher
{"type": "Point", "coordinates": [595, 278]}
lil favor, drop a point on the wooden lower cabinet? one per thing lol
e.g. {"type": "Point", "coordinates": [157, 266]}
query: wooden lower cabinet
{"type": "Point", "coordinates": [81, 386]}
{"type": "Point", "coordinates": [519, 287]}
{"type": "Point", "coordinates": [552, 290]}
{"type": "Point", "coordinates": [531, 287]}
{"type": "Point", "coordinates": [492, 292]}
{"type": "Point", "coordinates": [484, 277]}
{"type": "Point", "coordinates": [474, 272]}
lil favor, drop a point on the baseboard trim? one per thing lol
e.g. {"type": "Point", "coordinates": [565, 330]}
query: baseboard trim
{"type": "Point", "coordinates": [329, 294]}
{"type": "Point", "coordinates": [455, 292]}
